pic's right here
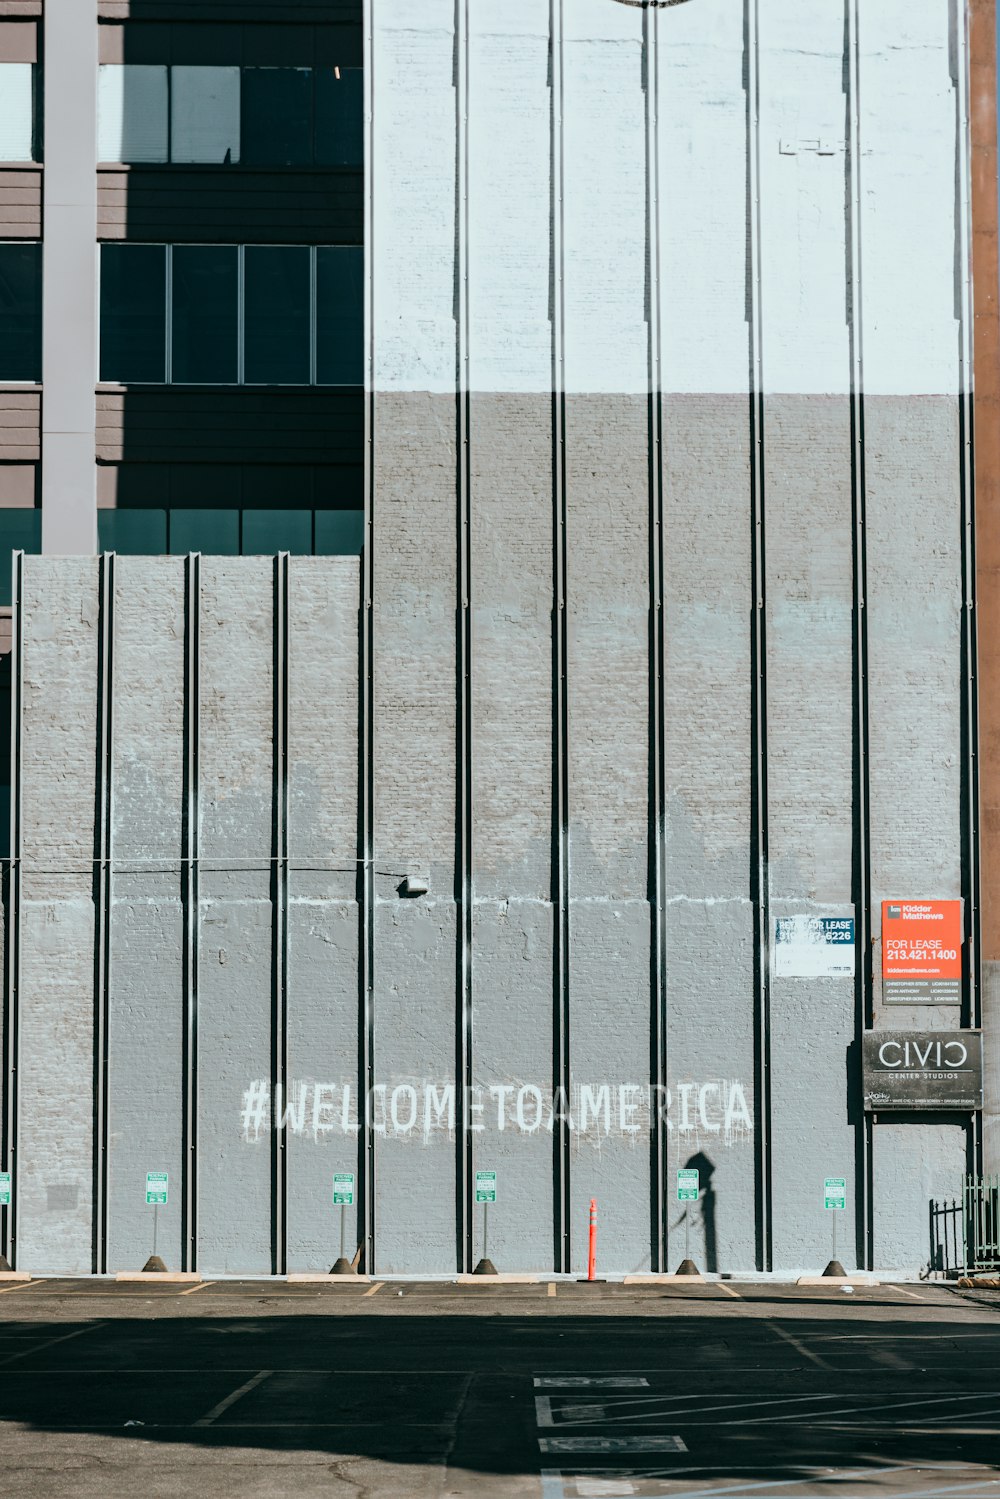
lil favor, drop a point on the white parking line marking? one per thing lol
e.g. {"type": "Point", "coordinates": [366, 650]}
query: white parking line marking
{"type": "Point", "coordinates": [745, 1404]}
{"type": "Point", "coordinates": [729, 1290]}
{"type": "Point", "coordinates": [797, 1345]}
{"type": "Point", "coordinates": [657, 1443]}
{"type": "Point", "coordinates": [611, 1485]}
{"type": "Point", "coordinates": [204, 1285]}
{"type": "Point", "coordinates": [230, 1400]}
{"type": "Point", "coordinates": [22, 1285]}
{"type": "Point", "coordinates": [584, 1382]}
{"type": "Point", "coordinates": [870, 1411]}
{"type": "Point", "coordinates": [805, 1477]}
{"type": "Point", "coordinates": [552, 1288]}
{"type": "Point", "coordinates": [51, 1343]}
{"type": "Point", "coordinates": [617, 1409]}
{"type": "Point", "coordinates": [374, 1290]}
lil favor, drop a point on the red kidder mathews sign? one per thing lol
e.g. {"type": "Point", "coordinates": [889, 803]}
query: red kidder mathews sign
{"type": "Point", "coordinates": [922, 951]}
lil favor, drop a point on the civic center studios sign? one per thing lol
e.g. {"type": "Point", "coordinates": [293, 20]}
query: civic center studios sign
{"type": "Point", "coordinates": [923, 1070]}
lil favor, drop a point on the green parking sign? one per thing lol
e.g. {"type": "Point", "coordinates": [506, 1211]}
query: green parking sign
{"type": "Point", "coordinates": [4, 1189]}
{"type": "Point", "coordinates": [486, 1186]}
{"type": "Point", "coordinates": [156, 1189]}
{"type": "Point", "coordinates": [343, 1189]}
{"type": "Point", "coordinates": [835, 1194]}
{"type": "Point", "coordinates": [687, 1186]}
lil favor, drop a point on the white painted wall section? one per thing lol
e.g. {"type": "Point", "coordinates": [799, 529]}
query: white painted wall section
{"type": "Point", "coordinates": [604, 209]}
{"type": "Point", "coordinates": [413, 181]}
{"type": "Point", "coordinates": [909, 158]}
{"type": "Point", "coordinates": [702, 138]}
{"type": "Point", "coordinates": [510, 335]}
{"type": "Point", "coordinates": [803, 163]}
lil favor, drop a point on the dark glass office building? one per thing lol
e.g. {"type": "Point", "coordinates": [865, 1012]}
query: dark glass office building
{"type": "Point", "coordinates": [181, 277]}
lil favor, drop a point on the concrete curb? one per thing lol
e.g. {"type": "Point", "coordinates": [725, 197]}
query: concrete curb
{"type": "Point", "coordinates": [305, 1279]}
{"type": "Point", "coordinates": [665, 1280]}
{"type": "Point", "coordinates": [837, 1280]}
{"type": "Point", "coordinates": [498, 1280]}
{"type": "Point", "coordinates": [160, 1277]}
{"type": "Point", "coordinates": [6, 1275]}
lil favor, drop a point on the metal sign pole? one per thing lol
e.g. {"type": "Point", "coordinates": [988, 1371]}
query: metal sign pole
{"type": "Point", "coordinates": [485, 1192]}
{"type": "Point", "coordinates": [833, 1216]}
{"type": "Point", "coordinates": [156, 1214]}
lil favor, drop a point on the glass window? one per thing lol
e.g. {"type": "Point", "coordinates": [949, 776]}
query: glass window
{"type": "Point", "coordinates": [214, 532]}
{"type": "Point", "coordinates": [20, 311]}
{"type": "Point", "coordinates": [277, 117]}
{"type": "Point", "coordinates": [20, 531]}
{"type": "Point", "coordinates": [340, 533]}
{"type": "Point", "coordinates": [340, 315]}
{"type": "Point", "coordinates": [132, 533]}
{"type": "Point", "coordinates": [340, 117]}
{"type": "Point", "coordinates": [205, 331]}
{"type": "Point", "coordinates": [133, 313]}
{"type": "Point", "coordinates": [205, 114]}
{"type": "Point", "coordinates": [132, 113]}
{"type": "Point", "coordinates": [268, 531]}
{"type": "Point", "coordinates": [238, 315]}
{"type": "Point", "coordinates": [276, 316]}
{"type": "Point", "coordinates": [17, 114]}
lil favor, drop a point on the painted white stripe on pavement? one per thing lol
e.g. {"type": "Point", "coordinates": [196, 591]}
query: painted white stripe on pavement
{"type": "Point", "coordinates": [652, 1443]}
{"type": "Point", "coordinates": [230, 1400]}
{"type": "Point", "coordinates": [799, 1347]}
{"type": "Point", "coordinates": [583, 1382]}
{"type": "Point", "coordinates": [805, 1477]}
{"type": "Point", "coordinates": [870, 1411]}
{"type": "Point", "coordinates": [51, 1343]}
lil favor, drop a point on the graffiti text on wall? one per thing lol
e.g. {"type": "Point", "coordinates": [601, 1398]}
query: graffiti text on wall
{"type": "Point", "coordinates": [419, 1110]}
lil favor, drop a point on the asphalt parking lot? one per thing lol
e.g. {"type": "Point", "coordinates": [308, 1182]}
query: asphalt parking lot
{"type": "Point", "coordinates": [553, 1391]}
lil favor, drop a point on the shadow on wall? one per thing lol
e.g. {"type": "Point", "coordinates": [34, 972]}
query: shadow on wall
{"type": "Point", "coordinates": [702, 1211]}
{"type": "Point", "coordinates": [229, 509]}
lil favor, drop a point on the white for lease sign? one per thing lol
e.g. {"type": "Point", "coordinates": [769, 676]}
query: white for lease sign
{"type": "Point", "coordinates": [813, 947]}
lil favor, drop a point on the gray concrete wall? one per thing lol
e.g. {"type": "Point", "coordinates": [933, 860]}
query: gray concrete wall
{"type": "Point", "coordinates": [668, 530]}
{"type": "Point", "coordinates": [55, 1062]}
{"type": "Point", "coordinates": [146, 999]}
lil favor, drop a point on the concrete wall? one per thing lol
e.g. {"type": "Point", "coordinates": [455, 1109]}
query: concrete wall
{"type": "Point", "coordinates": [219, 954]}
{"type": "Point", "coordinates": [669, 353]}
{"type": "Point", "coordinates": [667, 401]}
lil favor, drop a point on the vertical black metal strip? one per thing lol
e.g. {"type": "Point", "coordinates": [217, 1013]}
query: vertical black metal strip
{"type": "Point", "coordinates": [102, 888]}
{"type": "Point", "coordinates": [561, 1040]}
{"type": "Point", "coordinates": [758, 652]}
{"type": "Point", "coordinates": [972, 1010]}
{"type": "Point", "coordinates": [464, 872]}
{"type": "Point", "coordinates": [862, 790]}
{"type": "Point", "coordinates": [192, 914]}
{"type": "Point", "coordinates": [657, 654]}
{"type": "Point", "coordinates": [12, 913]}
{"type": "Point", "coordinates": [279, 907]}
{"type": "Point", "coordinates": [366, 747]}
